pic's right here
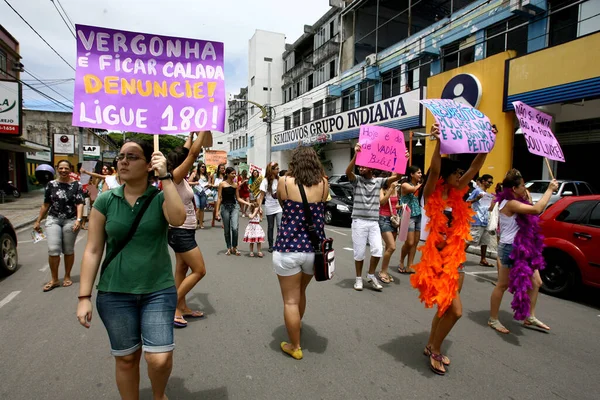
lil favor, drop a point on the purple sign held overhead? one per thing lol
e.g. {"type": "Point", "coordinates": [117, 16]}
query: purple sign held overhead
{"type": "Point", "coordinates": [148, 83]}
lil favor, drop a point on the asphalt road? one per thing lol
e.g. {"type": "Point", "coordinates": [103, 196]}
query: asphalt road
{"type": "Point", "coordinates": [357, 345]}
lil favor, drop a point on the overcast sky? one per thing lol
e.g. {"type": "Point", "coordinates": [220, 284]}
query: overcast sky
{"type": "Point", "coordinates": [230, 21]}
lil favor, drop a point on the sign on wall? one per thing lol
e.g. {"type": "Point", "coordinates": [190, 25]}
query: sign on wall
{"type": "Point", "coordinates": [91, 152]}
{"type": "Point", "coordinates": [45, 156]}
{"type": "Point", "coordinates": [148, 83]}
{"type": "Point", "coordinates": [64, 144]}
{"type": "Point", "coordinates": [10, 108]}
{"type": "Point", "coordinates": [396, 108]}
{"type": "Point", "coordinates": [215, 157]}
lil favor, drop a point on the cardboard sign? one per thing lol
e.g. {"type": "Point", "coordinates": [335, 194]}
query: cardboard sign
{"type": "Point", "coordinates": [463, 129]}
{"type": "Point", "coordinates": [382, 148]}
{"type": "Point", "coordinates": [255, 186]}
{"type": "Point", "coordinates": [536, 129]}
{"type": "Point", "coordinates": [255, 168]}
{"type": "Point", "coordinates": [215, 157]}
{"type": "Point", "coordinates": [148, 83]}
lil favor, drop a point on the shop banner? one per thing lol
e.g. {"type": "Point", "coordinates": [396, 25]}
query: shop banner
{"type": "Point", "coordinates": [398, 108]}
{"type": "Point", "coordinates": [91, 152]}
{"type": "Point", "coordinates": [215, 157]}
{"type": "Point", "coordinates": [64, 144]}
{"type": "Point", "coordinates": [536, 129]}
{"type": "Point", "coordinates": [148, 83]}
{"type": "Point", "coordinates": [382, 148]}
{"type": "Point", "coordinates": [10, 107]}
{"type": "Point", "coordinates": [463, 129]}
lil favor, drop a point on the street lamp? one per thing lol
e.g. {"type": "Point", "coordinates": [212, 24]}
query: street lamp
{"type": "Point", "coordinates": [410, 145]}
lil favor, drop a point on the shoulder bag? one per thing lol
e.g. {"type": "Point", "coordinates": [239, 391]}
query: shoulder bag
{"type": "Point", "coordinates": [121, 245]}
{"type": "Point", "coordinates": [324, 254]}
{"type": "Point", "coordinates": [395, 218]}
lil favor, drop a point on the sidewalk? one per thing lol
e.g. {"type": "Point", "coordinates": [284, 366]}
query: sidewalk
{"type": "Point", "coordinates": [491, 252]}
{"type": "Point", "coordinates": [24, 210]}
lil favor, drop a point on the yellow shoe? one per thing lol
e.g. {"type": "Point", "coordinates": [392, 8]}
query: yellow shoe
{"type": "Point", "coordinates": [297, 354]}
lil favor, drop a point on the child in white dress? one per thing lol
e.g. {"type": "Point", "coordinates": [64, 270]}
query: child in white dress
{"type": "Point", "coordinates": [254, 232]}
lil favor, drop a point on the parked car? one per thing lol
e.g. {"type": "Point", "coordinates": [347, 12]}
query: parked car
{"type": "Point", "coordinates": [339, 179]}
{"type": "Point", "coordinates": [339, 208]}
{"type": "Point", "coordinates": [572, 237]}
{"type": "Point", "coordinates": [8, 247]}
{"type": "Point", "coordinates": [566, 188]}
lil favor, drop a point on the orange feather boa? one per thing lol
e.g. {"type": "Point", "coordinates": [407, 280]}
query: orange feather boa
{"type": "Point", "coordinates": [437, 273]}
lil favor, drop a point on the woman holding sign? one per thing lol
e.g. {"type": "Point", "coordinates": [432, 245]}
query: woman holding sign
{"type": "Point", "coordinates": [519, 251]}
{"type": "Point", "coordinates": [438, 276]}
{"type": "Point", "coordinates": [408, 191]}
{"type": "Point", "coordinates": [136, 297]}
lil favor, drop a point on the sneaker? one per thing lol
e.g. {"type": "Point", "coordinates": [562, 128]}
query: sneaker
{"type": "Point", "coordinates": [358, 285]}
{"type": "Point", "coordinates": [374, 282]}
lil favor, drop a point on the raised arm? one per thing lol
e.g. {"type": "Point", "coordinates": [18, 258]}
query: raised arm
{"type": "Point", "coordinates": [384, 195]}
{"type": "Point", "coordinates": [436, 164]}
{"type": "Point", "coordinates": [92, 174]}
{"type": "Point", "coordinates": [517, 207]}
{"type": "Point", "coordinates": [173, 208]}
{"type": "Point", "coordinates": [350, 167]}
{"type": "Point", "coordinates": [407, 188]}
{"type": "Point", "coordinates": [180, 172]}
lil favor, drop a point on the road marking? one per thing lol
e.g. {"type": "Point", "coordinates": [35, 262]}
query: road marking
{"type": "Point", "coordinates": [48, 265]}
{"type": "Point", "coordinates": [348, 248]}
{"type": "Point", "coordinates": [25, 241]}
{"type": "Point", "coordinates": [8, 298]}
{"type": "Point", "coordinates": [338, 232]}
{"type": "Point", "coordinates": [481, 272]}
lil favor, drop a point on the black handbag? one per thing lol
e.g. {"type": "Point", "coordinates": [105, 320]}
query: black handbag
{"type": "Point", "coordinates": [121, 245]}
{"type": "Point", "coordinates": [324, 254]}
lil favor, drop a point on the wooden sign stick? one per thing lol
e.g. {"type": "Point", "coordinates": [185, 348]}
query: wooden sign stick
{"type": "Point", "coordinates": [549, 168]}
{"type": "Point", "coordinates": [156, 149]}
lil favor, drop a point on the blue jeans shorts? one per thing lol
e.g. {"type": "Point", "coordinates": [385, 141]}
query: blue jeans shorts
{"type": "Point", "coordinates": [201, 200]}
{"type": "Point", "coordinates": [385, 224]}
{"type": "Point", "coordinates": [182, 240]}
{"type": "Point", "coordinates": [138, 320]}
{"type": "Point", "coordinates": [415, 224]}
{"type": "Point", "coordinates": [504, 251]}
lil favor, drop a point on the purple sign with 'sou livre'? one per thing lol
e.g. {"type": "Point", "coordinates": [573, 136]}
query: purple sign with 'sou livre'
{"type": "Point", "coordinates": [148, 83]}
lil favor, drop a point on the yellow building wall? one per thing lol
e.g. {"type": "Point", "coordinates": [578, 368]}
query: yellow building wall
{"type": "Point", "coordinates": [570, 62]}
{"type": "Point", "coordinates": [490, 73]}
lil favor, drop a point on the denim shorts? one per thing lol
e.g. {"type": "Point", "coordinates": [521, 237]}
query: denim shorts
{"type": "Point", "coordinates": [385, 224]}
{"type": "Point", "coordinates": [288, 264]}
{"type": "Point", "coordinates": [61, 238]}
{"type": "Point", "coordinates": [504, 251]}
{"type": "Point", "coordinates": [182, 240]}
{"type": "Point", "coordinates": [415, 224]}
{"type": "Point", "coordinates": [138, 320]}
{"type": "Point", "coordinates": [201, 200]}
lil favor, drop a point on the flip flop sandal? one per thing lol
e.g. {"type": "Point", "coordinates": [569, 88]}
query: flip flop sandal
{"type": "Point", "coordinates": [485, 264]}
{"type": "Point", "coordinates": [194, 314]}
{"type": "Point", "coordinates": [251, 254]}
{"type": "Point", "coordinates": [228, 253]}
{"type": "Point", "coordinates": [49, 286]}
{"type": "Point", "coordinates": [534, 322]}
{"type": "Point", "coordinates": [67, 283]}
{"type": "Point", "coordinates": [445, 360]}
{"type": "Point", "coordinates": [438, 358]}
{"type": "Point", "coordinates": [383, 278]}
{"type": "Point", "coordinates": [260, 254]}
{"type": "Point", "coordinates": [237, 253]}
{"type": "Point", "coordinates": [180, 322]}
{"type": "Point", "coordinates": [405, 271]}
{"type": "Point", "coordinates": [497, 326]}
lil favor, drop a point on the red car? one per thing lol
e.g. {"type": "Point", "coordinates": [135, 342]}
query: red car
{"type": "Point", "coordinates": [571, 228]}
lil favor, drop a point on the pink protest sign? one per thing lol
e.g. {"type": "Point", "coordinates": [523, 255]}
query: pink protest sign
{"type": "Point", "coordinates": [536, 129]}
{"type": "Point", "coordinates": [382, 148]}
{"type": "Point", "coordinates": [463, 129]}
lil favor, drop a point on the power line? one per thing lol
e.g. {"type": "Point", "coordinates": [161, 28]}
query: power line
{"type": "Point", "coordinates": [69, 108]}
{"type": "Point", "coordinates": [36, 78]}
{"type": "Point", "coordinates": [65, 12]}
{"type": "Point", "coordinates": [40, 36]}
{"type": "Point", "coordinates": [64, 20]}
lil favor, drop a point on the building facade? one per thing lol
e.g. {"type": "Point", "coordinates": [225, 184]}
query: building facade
{"type": "Point", "coordinates": [237, 128]}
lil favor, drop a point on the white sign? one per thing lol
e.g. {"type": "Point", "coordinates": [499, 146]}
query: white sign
{"type": "Point", "coordinates": [91, 150]}
{"type": "Point", "coordinates": [10, 108]}
{"type": "Point", "coordinates": [64, 144]}
{"type": "Point", "coordinates": [39, 156]}
{"type": "Point", "coordinates": [395, 108]}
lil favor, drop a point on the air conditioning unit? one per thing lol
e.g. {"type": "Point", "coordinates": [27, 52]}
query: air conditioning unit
{"type": "Point", "coordinates": [371, 59]}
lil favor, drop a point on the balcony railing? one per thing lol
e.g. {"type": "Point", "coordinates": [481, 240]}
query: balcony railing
{"type": "Point", "coordinates": [330, 48]}
{"type": "Point", "coordinates": [300, 69]}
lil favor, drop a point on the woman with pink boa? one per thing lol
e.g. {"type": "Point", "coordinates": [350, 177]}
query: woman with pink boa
{"type": "Point", "coordinates": [519, 252]}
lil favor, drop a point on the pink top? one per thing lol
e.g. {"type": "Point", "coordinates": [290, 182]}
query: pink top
{"type": "Point", "coordinates": [187, 196]}
{"type": "Point", "coordinates": [384, 210]}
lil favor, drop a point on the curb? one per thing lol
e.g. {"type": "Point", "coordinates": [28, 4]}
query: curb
{"type": "Point", "coordinates": [25, 224]}
{"type": "Point", "coordinates": [477, 251]}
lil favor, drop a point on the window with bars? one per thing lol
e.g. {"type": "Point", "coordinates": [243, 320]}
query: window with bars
{"type": "Point", "coordinates": [417, 72]}
{"type": "Point", "coordinates": [287, 123]}
{"type": "Point", "coordinates": [504, 36]}
{"type": "Point", "coordinates": [296, 118]}
{"type": "Point", "coordinates": [318, 109]}
{"type": "Point", "coordinates": [390, 83]}
{"type": "Point", "coordinates": [348, 99]}
{"type": "Point", "coordinates": [453, 56]}
{"type": "Point", "coordinates": [305, 115]}
{"type": "Point", "coordinates": [330, 106]}
{"type": "Point", "coordinates": [367, 93]}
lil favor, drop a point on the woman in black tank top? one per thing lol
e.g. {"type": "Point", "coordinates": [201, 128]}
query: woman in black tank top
{"type": "Point", "coordinates": [228, 210]}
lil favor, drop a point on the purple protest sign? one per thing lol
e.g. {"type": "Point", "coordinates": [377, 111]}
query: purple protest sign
{"type": "Point", "coordinates": [463, 129]}
{"type": "Point", "coordinates": [148, 83]}
{"type": "Point", "coordinates": [382, 148]}
{"type": "Point", "coordinates": [536, 128]}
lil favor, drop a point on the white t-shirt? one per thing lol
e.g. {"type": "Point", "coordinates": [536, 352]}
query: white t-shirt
{"type": "Point", "coordinates": [111, 182]}
{"type": "Point", "coordinates": [271, 204]}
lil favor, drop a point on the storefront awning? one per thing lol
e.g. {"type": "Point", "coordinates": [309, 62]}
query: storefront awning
{"type": "Point", "coordinates": [19, 146]}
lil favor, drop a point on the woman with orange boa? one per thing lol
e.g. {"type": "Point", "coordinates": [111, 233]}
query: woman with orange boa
{"type": "Point", "coordinates": [438, 276]}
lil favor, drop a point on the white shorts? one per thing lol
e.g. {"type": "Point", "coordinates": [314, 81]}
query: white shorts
{"type": "Point", "coordinates": [481, 236]}
{"type": "Point", "coordinates": [288, 264]}
{"type": "Point", "coordinates": [363, 230]}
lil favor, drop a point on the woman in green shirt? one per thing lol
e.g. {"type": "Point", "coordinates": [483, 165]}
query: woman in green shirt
{"type": "Point", "coordinates": [136, 291]}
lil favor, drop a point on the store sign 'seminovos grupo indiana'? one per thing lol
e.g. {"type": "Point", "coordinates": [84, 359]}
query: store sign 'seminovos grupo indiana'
{"type": "Point", "coordinates": [382, 148]}
{"type": "Point", "coordinates": [148, 83]}
{"type": "Point", "coordinates": [395, 108]}
{"type": "Point", "coordinates": [536, 128]}
{"type": "Point", "coordinates": [463, 129]}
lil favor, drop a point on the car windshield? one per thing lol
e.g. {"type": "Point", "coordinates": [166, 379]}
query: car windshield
{"type": "Point", "coordinates": [341, 192]}
{"type": "Point", "coordinates": [537, 187]}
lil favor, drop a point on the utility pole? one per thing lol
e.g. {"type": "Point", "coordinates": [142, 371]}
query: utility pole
{"type": "Point", "coordinates": [269, 110]}
{"type": "Point", "coordinates": [80, 144]}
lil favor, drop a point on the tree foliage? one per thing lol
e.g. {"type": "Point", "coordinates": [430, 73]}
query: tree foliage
{"type": "Point", "coordinates": [167, 143]}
